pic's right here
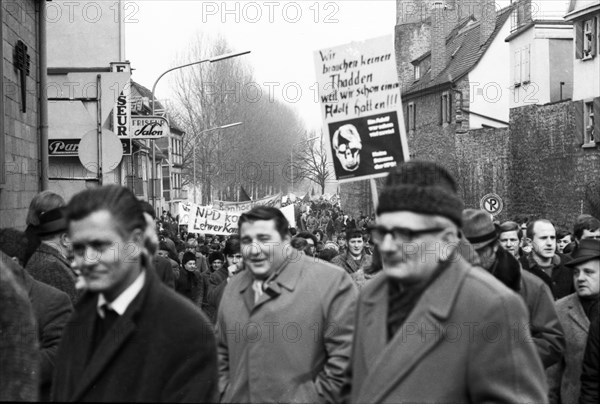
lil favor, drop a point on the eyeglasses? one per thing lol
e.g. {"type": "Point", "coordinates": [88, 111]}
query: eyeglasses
{"type": "Point", "coordinates": [378, 233]}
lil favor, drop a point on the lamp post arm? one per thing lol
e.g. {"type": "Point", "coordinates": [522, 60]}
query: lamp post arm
{"type": "Point", "coordinates": [170, 70]}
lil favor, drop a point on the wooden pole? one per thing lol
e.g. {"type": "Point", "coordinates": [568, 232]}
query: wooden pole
{"type": "Point", "coordinates": [374, 194]}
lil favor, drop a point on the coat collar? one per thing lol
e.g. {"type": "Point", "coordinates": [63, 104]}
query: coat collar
{"type": "Point", "coordinates": [287, 279]}
{"type": "Point", "coordinates": [434, 306]}
{"type": "Point", "coordinates": [110, 345]}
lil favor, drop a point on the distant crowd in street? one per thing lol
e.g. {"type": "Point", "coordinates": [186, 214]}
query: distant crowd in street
{"type": "Point", "coordinates": [422, 301]}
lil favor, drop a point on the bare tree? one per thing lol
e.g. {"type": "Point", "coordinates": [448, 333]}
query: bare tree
{"type": "Point", "coordinates": [313, 162]}
{"type": "Point", "coordinates": [211, 95]}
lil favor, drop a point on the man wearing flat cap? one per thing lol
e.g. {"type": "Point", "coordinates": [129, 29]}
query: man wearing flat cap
{"type": "Point", "coordinates": [435, 328]}
{"type": "Point", "coordinates": [575, 313]}
{"type": "Point", "coordinates": [49, 263]}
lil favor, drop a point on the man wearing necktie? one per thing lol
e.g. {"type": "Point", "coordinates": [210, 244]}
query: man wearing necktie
{"type": "Point", "coordinates": [131, 338]}
{"type": "Point", "coordinates": [284, 325]}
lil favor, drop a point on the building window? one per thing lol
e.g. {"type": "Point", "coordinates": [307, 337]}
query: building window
{"type": "Point", "coordinates": [417, 72]}
{"type": "Point", "coordinates": [589, 136]}
{"type": "Point", "coordinates": [411, 116]}
{"type": "Point", "coordinates": [445, 108]}
{"type": "Point", "coordinates": [585, 39]}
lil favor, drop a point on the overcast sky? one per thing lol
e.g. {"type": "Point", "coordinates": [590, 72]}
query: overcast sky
{"type": "Point", "coordinates": [282, 36]}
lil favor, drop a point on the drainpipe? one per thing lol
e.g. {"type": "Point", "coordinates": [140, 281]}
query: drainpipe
{"type": "Point", "coordinates": [43, 116]}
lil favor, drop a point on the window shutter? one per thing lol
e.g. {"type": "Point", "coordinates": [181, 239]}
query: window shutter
{"type": "Point", "coordinates": [594, 38]}
{"type": "Point", "coordinates": [579, 39]}
{"type": "Point", "coordinates": [517, 78]}
{"type": "Point", "coordinates": [579, 124]}
{"type": "Point", "coordinates": [597, 119]}
{"type": "Point", "coordinates": [449, 107]}
{"type": "Point", "coordinates": [441, 120]}
{"type": "Point", "coordinates": [407, 118]}
{"type": "Point", "coordinates": [525, 59]}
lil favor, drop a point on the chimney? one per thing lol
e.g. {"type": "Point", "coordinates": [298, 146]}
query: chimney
{"type": "Point", "coordinates": [488, 20]}
{"type": "Point", "coordinates": [451, 16]}
{"type": "Point", "coordinates": [438, 38]}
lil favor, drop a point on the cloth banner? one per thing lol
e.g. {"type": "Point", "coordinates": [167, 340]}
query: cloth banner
{"type": "Point", "coordinates": [274, 201]}
{"type": "Point", "coordinates": [288, 212]}
{"type": "Point", "coordinates": [206, 219]}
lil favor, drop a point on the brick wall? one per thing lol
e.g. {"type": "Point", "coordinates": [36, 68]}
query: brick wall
{"type": "Point", "coordinates": [549, 169]}
{"type": "Point", "coordinates": [21, 140]}
{"type": "Point", "coordinates": [482, 166]}
{"type": "Point", "coordinates": [411, 41]}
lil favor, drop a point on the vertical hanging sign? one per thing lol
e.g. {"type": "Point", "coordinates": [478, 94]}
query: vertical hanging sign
{"type": "Point", "coordinates": [122, 109]}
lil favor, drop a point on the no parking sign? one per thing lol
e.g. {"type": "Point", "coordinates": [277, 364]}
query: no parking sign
{"type": "Point", "coordinates": [492, 204]}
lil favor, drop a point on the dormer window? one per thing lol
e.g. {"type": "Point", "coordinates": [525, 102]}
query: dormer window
{"type": "Point", "coordinates": [417, 72]}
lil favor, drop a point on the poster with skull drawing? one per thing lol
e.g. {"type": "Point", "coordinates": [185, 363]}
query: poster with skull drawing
{"type": "Point", "coordinates": [361, 107]}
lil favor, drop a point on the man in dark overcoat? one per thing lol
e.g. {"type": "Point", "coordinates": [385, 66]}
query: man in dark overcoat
{"type": "Point", "coordinates": [131, 338]}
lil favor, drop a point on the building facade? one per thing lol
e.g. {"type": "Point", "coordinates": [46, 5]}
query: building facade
{"type": "Point", "coordinates": [20, 121]}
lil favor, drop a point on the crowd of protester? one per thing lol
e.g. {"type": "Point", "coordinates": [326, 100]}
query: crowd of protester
{"type": "Point", "coordinates": [354, 285]}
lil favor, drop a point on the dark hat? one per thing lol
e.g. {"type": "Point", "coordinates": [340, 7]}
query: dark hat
{"type": "Point", "coordinates": [52, 222]}
{"type": "Point", "coordinates": [478, 228]}
{"type": "Point", "coordinates": [422, 187]}
{"type": "Point", "coordinates": [588, 249]}
{"type": "Point", "coordinates": [188, 256]}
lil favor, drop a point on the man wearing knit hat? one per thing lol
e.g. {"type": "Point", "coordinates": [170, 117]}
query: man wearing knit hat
{"type": "Point", "coordinates": [435, 328]}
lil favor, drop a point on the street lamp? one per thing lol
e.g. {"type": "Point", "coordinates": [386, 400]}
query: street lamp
{"type": "Point", "coordinates": [211, 60]}
{"type": "Point", "coordinates": [292, 157]}
{"type": "Point", "coordinates": [231, 125]}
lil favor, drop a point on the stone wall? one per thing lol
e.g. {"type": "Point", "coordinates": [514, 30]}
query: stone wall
{"type": "Point", "coordinates": [21, 133]}
{"type": "Point", "coordinates": [550, 170]}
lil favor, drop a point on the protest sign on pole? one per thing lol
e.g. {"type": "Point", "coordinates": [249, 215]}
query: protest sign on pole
{"type": "Point", "coordinates": [361, 108]}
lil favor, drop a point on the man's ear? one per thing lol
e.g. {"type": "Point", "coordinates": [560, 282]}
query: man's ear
{"type": "Point", "coordinates": [65, 241]}
{"type": "Point", "coordinates": [450, 235]}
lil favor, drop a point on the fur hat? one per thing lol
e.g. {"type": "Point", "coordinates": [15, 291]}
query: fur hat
{"type": "Point", "coordinates": [188, 256]}
{"type": "Point", "coordinates": [422, 187]}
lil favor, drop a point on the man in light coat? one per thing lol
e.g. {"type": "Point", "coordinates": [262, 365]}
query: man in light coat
{"type": "Point", "coordinates": [575, 312]}
{"type": "Point", "coordinates": [285, 324]}
{"type": "Point", "coordinates": [434, 328]}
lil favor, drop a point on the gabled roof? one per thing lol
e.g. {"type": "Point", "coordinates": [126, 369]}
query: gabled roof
{"type": "Point", "coordinates": [463, 50]}
{"type": "Point", "coordinates": [461, 24]}
{"type": "Point", "coordinates": [144, 92]}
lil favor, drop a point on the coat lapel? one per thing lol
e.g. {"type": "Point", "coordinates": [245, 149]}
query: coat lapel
{"type": "Point", "coordinates": [412, 343]}
{"type": "Point", "coordinates": [375, 311]}
{"type": "Point", "coordinates": [577, 314]}
{"type": "Point", "coordinates": [120, 332]}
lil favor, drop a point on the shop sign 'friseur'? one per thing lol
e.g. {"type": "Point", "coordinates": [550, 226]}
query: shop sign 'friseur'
{"type": "Point", "coordinates": [149, 127]}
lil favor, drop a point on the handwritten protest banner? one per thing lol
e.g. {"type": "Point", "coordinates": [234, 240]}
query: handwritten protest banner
{"type": "Point", "coordinates": [361, 108]}
{"type": "Point", "coordinates": [274, 200]}
{"type": "Point", "coordinates": [206, 219]}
